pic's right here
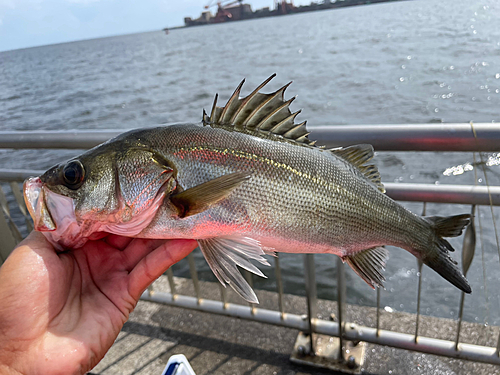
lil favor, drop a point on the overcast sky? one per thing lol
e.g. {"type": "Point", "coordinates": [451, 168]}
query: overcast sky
{"type": "Point", "coordinates": [28, 23]}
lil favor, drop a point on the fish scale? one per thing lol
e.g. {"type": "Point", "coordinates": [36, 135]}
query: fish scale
{"type": "Point", "coordinates": [245, 181]}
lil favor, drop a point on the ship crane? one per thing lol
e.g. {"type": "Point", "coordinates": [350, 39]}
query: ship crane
{"type": "Point", "coordinates": [222, 4]}
{"type": "Point", "coordinates": [222, 13]}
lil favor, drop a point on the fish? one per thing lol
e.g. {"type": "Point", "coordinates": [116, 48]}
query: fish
{"type": "Point", "coordinates": [244, 182]}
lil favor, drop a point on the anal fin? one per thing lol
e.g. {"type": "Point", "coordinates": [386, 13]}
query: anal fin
{"type": "Point", "coordinates": [369, 264]}
{"type": "Point", "coordinates": [224, 254]}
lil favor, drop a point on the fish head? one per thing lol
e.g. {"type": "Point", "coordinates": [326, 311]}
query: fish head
{"type": "Point", "coordinates": [113, 188]}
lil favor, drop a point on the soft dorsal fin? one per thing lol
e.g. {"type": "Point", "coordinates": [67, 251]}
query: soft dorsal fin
{"type": "Point", "coordinates": [259, 114]}
{"type": "Point", "coordinates": [358, 156]}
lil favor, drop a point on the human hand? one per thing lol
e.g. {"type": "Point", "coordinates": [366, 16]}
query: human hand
{"type": "Point", "coordinates": [61, 312]}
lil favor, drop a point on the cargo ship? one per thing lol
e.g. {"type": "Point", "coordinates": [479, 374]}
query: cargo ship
{"type": "Point", "coordinates": [230, 10]}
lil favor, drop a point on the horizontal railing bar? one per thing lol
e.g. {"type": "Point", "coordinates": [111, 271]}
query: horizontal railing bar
{"type": "Point", "coordinates": [229, 309]}
{"type": "Point", "coordinates": [455, 194]}
{"type": "Point", "coordinates": [443, 193]}
{"type": "Point", "coordinates": [389, 137]}
{"type": "Point", "coordinates": [352, 331]}
{"type": "Point", "coordinates": [51, 139]}
{"type": "Point", "coordinates": [19, 175]}
{"type": "Point", "coordinates": [423, 344]}
{"type": "Point", "coordinates": [412, 137]}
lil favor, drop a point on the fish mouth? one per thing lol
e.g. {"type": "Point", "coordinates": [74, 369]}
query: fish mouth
{"type": "Point", "coordinates": [53, 214]}
{"type": "Point", "coordinates": [34, 197]}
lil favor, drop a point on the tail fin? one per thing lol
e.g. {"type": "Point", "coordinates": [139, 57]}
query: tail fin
{"type": "Point", "coordinates": [439, 260]}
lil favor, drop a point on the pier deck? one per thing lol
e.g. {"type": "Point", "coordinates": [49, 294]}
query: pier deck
{"type": "Point", "coordinates": [216, 344]}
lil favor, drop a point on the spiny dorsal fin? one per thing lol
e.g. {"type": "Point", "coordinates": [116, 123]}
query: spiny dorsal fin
{"type": "Point", "coordinates": [259, 114]}
{"type": "Point", "coordinates": [358, 155]}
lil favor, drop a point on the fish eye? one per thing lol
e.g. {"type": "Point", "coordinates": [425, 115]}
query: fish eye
{"type": "Point", "coordinates": [73, 174]}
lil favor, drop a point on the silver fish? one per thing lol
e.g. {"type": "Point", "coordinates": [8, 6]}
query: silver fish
{"type": "Point", "coordinates": [244, 182]}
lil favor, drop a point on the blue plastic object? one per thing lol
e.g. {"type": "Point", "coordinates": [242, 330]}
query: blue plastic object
{"type": "Point", "coordinates": [178, 365]}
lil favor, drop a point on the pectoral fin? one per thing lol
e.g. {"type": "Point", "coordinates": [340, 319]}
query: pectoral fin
{"type": "Point", "coordinates": [198, 198]}
{"type": "Point", "coordinates": [224, 254]}
{"type": "Point", "coordinates": [369, 264]}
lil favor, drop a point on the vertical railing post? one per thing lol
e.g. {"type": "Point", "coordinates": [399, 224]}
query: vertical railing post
{"type": "Point", "coordinates": [223, 295]}
{"type": "Point", "coordinates": [171, 282]}
{"type": "Point", "coordinates": [340, 304]}
{"type": "Point", "coordinates": [4, 205]}
{"type": "Point", "coordinates": [468, 250]}
{"type": "Point", "coordinates": [151, 290]}
{"type": "Point", "coordinates": [419, 292]}
{"type": "Point", "coordinates": [249, 279]}
{"type": "Point", "coordinates": [18, 195]}
{"type": "Point", "coordinates": [279, 285]}
{"type": "Point", "coordinates": [498, 347]}
{"type": "Point", "coordinates": [378, 312]}
{"type": "Point", "coordinates": [419, 295]}
{"type": "Point", "coordinates": [194, 276]}
{"type": "Point", "coordinates": [311, 295]}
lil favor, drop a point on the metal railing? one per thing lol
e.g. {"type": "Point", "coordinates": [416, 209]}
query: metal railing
{"type": "Point", "coordinates": [415, 137]}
